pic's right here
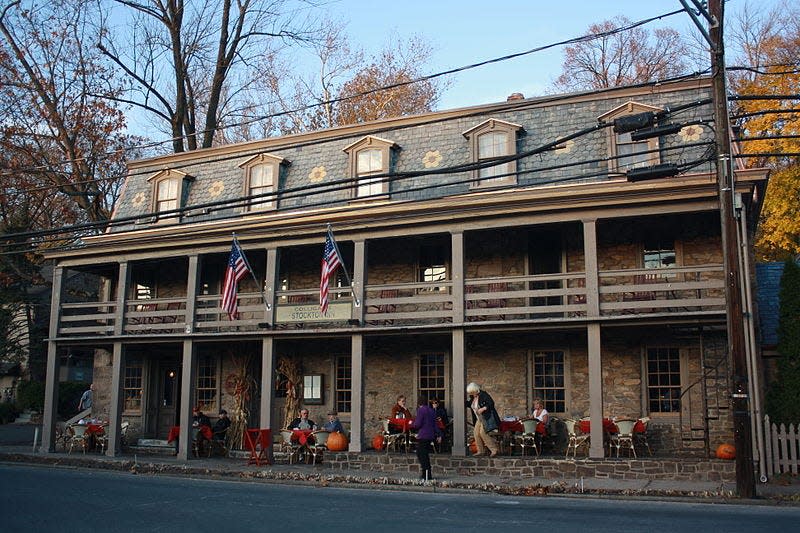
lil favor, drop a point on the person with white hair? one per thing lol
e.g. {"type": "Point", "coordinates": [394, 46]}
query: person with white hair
{"type": "Point", "coordinates": [484, 417]}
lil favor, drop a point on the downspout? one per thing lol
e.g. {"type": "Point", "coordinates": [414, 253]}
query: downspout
{"type": "Point", "coordinates": [752, 364]}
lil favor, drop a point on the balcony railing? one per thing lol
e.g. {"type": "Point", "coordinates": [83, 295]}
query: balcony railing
{"type": "Point", "coordinates": [537, 298]}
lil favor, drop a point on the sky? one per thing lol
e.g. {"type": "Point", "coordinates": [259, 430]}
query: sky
{"type": "Point", "coordinates": [469, 31]}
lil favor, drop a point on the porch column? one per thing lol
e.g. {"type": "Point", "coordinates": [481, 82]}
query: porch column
{"type": "Point", "coordinates": [596, 449]}
{"type": "Point", "coordinates": [51, 376]}
{"type": "Point", "coordinates": [191, 292]}
{"type": "Point", "coordinates": [267, 380]}
{"type": "Point", "coordinates": [270, 276]}
{"type": "Point", "coordinates": [459, 386]}
{"type": "Point", "coordinates": [457, 260]}
{"type": "Point", "coordinates": [188, 375]}
{"type": "Point", "coordinates": [115, 411]}
{"type": "Point", "coordinates": [123, 281]}
{"type": "Point", "coordinates": [359, 278]}
{"type": "Point", "coordinates": [357, 393]}
{"type": "Point", "coordinates": [590, 268]}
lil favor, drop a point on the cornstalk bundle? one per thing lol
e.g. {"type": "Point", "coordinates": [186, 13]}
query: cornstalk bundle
{"type": "Point", "coordinates": [242, 385]}
{"type": "Point", "coordinates": [291, 370]}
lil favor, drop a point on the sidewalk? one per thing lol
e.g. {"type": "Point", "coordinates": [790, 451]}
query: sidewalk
{"type": "Point", "coordinates": [785, 491]}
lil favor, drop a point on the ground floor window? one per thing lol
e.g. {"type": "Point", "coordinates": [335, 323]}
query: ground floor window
{"type": "Point", "coordinates": [548, 380]}
{"type": "Point", "coordinates": [206, 386]}
{"type": "Point", "coordinates": [132, 386]}
{"type": "Point", "coordinates": [344, 384]}
{"type": "Point", "coordinates": [432, 377]}
{"type": "Point", "coordinates": [663, 380]}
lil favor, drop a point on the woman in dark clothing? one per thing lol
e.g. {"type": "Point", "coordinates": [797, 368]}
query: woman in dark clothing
{"type": "Point", "coordinates": [425, 426]}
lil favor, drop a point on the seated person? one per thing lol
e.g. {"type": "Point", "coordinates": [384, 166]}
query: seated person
{"type": "Point", "coordinates": [440, 413]}
{"type": "Point", "coordinates": [333, 425]}
{"type": "Point", "coordinates": [221, 426]}
{"type": "Point", "coordinates": [399, 409]}
{"type": "Point", "coordinates": [303, 422]}
{"type": "Point", "coordinates": [199, 419]}
{"type": "Point", "coordinates": [539, 412]}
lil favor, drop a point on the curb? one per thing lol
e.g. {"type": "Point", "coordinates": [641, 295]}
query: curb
{"type": "Point", "coordinates": [557, 489]}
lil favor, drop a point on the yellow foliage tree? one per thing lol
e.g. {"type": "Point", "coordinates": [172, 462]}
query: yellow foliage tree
{"type": "Point", "coordinates": [779, 121]}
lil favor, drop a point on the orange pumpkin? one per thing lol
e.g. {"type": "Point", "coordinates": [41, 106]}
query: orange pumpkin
{"type": "Point", "coordinates": [377, 442]}
{"type": "Point", "coordinates": [473, 447]}
{"type": "Point", "coordinates": [337, 442]}
{"type": "Point", "coordinates": [726, 451]}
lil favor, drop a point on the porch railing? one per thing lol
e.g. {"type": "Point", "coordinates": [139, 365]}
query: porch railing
{"type": "Point", "coordinates": [543, 297]}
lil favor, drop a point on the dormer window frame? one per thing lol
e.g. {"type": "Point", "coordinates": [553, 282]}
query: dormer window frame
{"type": "Point", "coordinates": [614, 140]}
{"type": "Point", "coordinates": [275, 164]}
{"type": "Point", "coordinates": [484, 177]}
{"type": "Point", "coordinates": [156, 180]}
{"type": "Point", "coordinates": [364, 186]}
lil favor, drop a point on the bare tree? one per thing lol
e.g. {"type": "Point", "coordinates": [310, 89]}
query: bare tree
{"type": "Point", "coordinates": [622, 58]}
{"type": "Point", "coordinates": [182, 56]}
{"type": "Point", "coordinates": [346, 88]}
{"type": "Point", "coordinates": [54, 135]}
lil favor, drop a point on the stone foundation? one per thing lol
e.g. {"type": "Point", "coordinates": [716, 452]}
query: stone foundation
{"type": "Point", "coordinates": [683, 469]}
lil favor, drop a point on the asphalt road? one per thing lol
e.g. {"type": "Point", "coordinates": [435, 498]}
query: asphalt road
{"type": "Point", "coordinates": [62, 499]}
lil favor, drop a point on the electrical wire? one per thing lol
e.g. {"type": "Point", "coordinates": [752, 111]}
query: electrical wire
{"type": "Point", "coordinates": [573, 40]}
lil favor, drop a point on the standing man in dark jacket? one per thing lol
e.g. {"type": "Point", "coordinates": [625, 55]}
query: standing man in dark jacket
{"type": "Point", "coordinates": [425, 426]}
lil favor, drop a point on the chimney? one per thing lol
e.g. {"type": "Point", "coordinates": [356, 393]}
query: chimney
{"type": "Point", "coordinates": [515, 96]}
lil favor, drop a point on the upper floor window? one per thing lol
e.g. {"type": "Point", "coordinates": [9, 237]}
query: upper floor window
{"type": "Point", "coordinates": [262, 173]}
{"type": "Point", "coordinates": [169, 188]}
{"type": "Point", "coordinates": [624, 152]}
{"type": "Point", "coordinates": [659, 253]}
{"type": "Point", "coordinates": [487, 141]}
{"type": "Point", "coordinates": [432, 266]}
{"type": "Point", "coordinates": [370, 162]}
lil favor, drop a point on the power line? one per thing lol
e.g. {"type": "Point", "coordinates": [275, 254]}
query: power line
{"type": "Point", "coordinates": [574, 40]}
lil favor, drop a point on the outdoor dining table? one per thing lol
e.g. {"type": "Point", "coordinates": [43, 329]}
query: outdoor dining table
{"type": "Point", "coordinates": [608, 426]}
{"type": "Point", "coordinates": [402, 425]}
{"type": "Point", "coordinates": [175, 432]}
{"type": "Point", "coordinates": [257, 442]}
{"type": "Point", "coordinates": [303, 436]}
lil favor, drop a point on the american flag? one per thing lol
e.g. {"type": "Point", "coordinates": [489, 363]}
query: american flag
{"type": "Point", "coordinates": [237, 269]}
{"type": "Point", "coordinates": [330, 262]}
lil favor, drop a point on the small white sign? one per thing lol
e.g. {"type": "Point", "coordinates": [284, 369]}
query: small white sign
{"type": "Point", "coordinates": [310, 313]}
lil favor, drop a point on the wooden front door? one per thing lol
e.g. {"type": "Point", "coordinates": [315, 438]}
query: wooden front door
{"type": "Point", "coordinates": [167, 406]}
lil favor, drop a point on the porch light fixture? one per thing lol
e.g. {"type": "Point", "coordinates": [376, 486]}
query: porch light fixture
{"type": "Point", "coordinates": [664, 170]}
{"type": "Point", "coordinates": [656, 131]}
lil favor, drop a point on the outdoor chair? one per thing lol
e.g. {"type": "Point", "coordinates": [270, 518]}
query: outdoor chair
{"type": "Point", "coordinates": [318, 447]}
{"type": "Point", "coordinates": [527, 439]}
{"type": "Point", "coordinates": [200, 445]}
{"type": "Point", "coordinates": [217, 445]}
{"type": "Point", "coordinates": [640, 437]}
{"type": "Point", "coordinates": [623, 438]}
{"type": "Point", "coordinates": [78, 437]}
{"type": "Point", "coordinates": [288, 447]}
{"type": "Point", "coordinates": [391, 440]}
{"type": "Point", "coordinates": [575, 439]}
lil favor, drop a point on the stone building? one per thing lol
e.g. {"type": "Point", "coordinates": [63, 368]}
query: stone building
{"type": "Point", "coordinates": [517, 245]}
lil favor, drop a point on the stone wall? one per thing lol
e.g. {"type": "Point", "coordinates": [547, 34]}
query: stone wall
{"type": "Point", "coordinates": [685, 469]}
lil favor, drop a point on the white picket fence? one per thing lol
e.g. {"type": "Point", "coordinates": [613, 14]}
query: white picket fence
{"type": "Point", "coordinates": [782, 447]}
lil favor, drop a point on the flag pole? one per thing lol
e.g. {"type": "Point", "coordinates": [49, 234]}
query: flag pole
{"type": "Point", "coordinates": [344, 267]}
{"type": "Point", "coordinates": [267, 305]}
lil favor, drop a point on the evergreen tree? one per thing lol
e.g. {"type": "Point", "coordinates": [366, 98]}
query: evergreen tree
{"type": "Point", "coordinates": [783, 398]}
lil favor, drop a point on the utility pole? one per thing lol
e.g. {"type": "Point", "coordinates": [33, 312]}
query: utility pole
{"type": "Point", "coordinates": [745, 475]}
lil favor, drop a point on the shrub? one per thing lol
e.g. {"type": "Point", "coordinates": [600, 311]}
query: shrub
{"type": "Point", "coordinates": [8, 412]}
{"type": "Point", "coordinates": [783, 397]}
{"type": "Point", "coordinates": [30, 395]}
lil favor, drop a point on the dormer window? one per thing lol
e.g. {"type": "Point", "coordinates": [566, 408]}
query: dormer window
{"type": "Point", "coordinates": [262, 174]}
{"type": "Point", "coordinates": [624, 152]}
{"type": "Point", "coordinates": [489, 140]}
{"type": "Point", "coordinates": [169, 189]}
{"type": "Point", "coordinates": [370, 161]}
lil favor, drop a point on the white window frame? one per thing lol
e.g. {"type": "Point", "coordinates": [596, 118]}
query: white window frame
{"type": "Point", "coordinates": [181, 180]}
{"type": "Point", "coordinates": [616, 140]}
{"type": "Point", "coordinates": [567, 380]}
{"type": "Point", "coordinates": [275, 164]}
{"type": "Point", "coordinates": [367, 183]}
{"type": "Point", "coordinates": [503, 173]}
